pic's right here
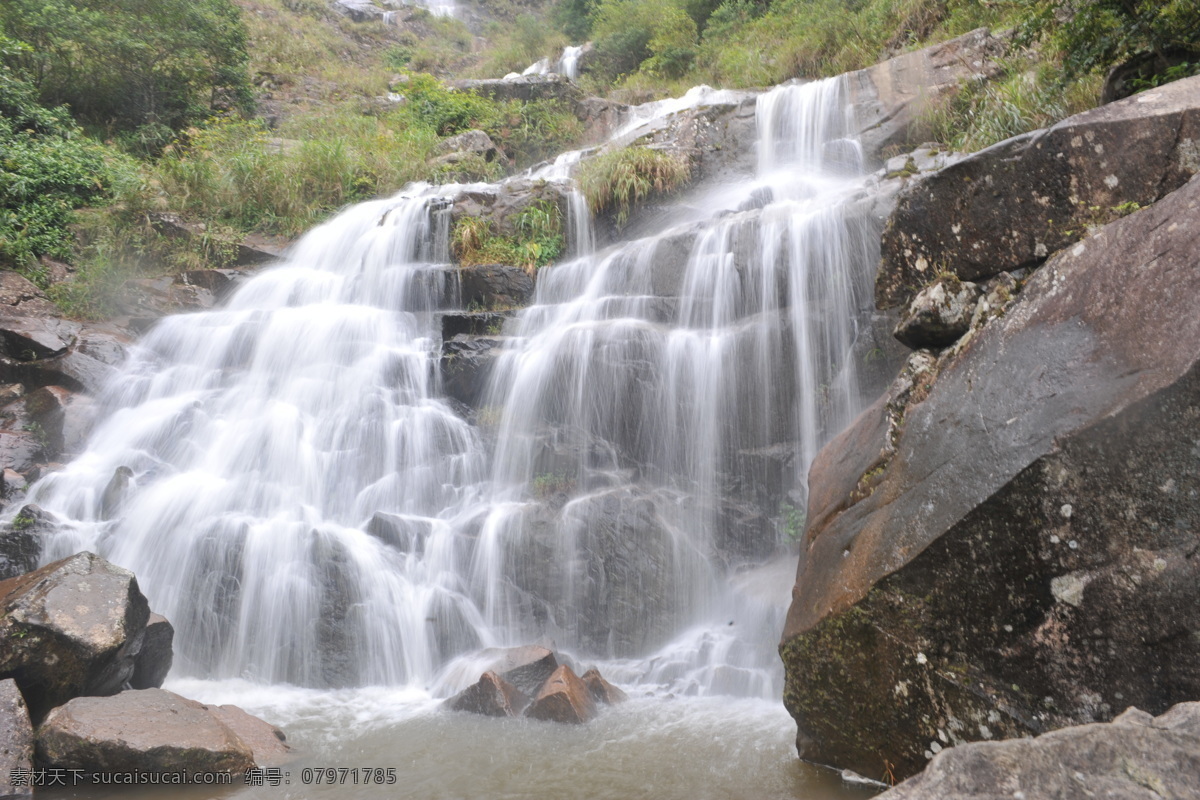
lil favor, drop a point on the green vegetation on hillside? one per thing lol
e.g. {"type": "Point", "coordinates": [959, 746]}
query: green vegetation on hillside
{"type": "Point", "coordinates": [268, 115]}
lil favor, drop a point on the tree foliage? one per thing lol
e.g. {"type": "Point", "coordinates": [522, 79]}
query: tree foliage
{"type": "Point", "coordinates": [145, 67]}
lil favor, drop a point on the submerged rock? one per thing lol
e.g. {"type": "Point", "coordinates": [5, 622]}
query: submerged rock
{"type": "Point", "coordinates": [152, 730]}
{"type": "Point", "coordinates": [601, 690]}
{"type": "Point", "coordinates": [16, 740]}
{"type": "Point", "coordinates": [1134, 757]}
{"type": "Point", "coordinates": [71, 628]}
{"type": "Point", "coordinates": [563, 698]}
{"type": "Point", "coordinates": [1007, 547]}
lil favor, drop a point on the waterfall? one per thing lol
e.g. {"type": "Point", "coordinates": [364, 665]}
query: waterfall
{"type": "Point", "coordinates": [307, 508]}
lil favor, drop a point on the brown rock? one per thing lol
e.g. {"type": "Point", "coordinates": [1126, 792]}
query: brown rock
{"type": "Point", "coordinates": [564, 698]}
{"type": "Point", "coordinates": [16, 740]}
{"type": "Point", "coordinates": [491, 696]}
{"type": "Point", "coordinates": [1011, 550]}
{"type": "Point", "coordinates": [28, 338]}
{"type": "Point", "coordinates": [267, 743]}
{"type": "Point", "coordinates": [601, 690]}
{"type": "Point", "coordinates": [150, 730]}
{"type": "Point", "coordinates": [70, 628]}
{"type": "Point", "coordinates": [22, 297]}
{"type": "Point", "coordinates": [1013, 204]}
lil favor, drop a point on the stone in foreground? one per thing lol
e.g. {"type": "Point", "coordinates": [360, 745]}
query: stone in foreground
{"type": "Point", "coordinates": [152, 730]}
{"type": "Point", "coordinates": [71, 628]}
{"type": "Point", "coordinates": [564, 698]}
{"type": "Point", "coordinates": [491, 696]}
{"type": "Point", "coordinates": [1135, 757]}
{"type": "Point", "coordinates": [16, 739]}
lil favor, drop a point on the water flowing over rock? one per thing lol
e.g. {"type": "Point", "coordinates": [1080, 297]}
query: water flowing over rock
{"type": "Point", "coordinates": [1136, 757]}
{"type": "Point", "coordinates": [152, 730]}
{"type": "Point", "coordinates": [1015, 203]}
{"type": "Point", "coordinates": [1049, 465]}
{"type": "Point", "coordinates": [71, 628]}
{"type": "Point", "coordinates": [302, 500]}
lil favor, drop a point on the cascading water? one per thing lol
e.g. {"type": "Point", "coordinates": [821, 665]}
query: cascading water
{"type": "Point", "coordinates": [308, 511]}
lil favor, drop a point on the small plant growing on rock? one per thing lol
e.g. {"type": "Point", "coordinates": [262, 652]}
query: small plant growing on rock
{"type": "Point", "coordinates": [621, 179]}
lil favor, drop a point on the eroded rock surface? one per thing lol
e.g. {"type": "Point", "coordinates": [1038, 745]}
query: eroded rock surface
{"type": "Point", "coordinates": [1007, 545]}
{"type": "Point", "coordinates": [16, 740]}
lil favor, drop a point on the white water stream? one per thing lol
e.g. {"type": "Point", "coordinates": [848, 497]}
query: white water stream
{"type": "Point", "coordinates": [334, 542]}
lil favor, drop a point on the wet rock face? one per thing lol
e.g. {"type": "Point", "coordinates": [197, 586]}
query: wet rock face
{"type": "Point", "coordinates": [71, 628]}
{"type": "Point", "coordinates": [1013, 204]}
{"type": "Point", "coordinates": [16, 739]}
{"type": "Point", "coordinates": [1135, 756]}
{"type": "Point", "coordinates": [153, 661]}
{"type": "Point", "coordinates": [1009, 547]}
{"type": "Point", "coordinates": [491, 696]}
{"type": "Point", "coordinates": [21, 541]}
{"type": "Point", "coordinates": [154, 731]}
{"type": "Point", "coordinates": [495, 286]}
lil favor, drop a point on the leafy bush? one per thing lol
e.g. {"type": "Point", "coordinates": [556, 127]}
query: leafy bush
{"type": "Point", "coordinates": [1097, 34]}
{"type": "Point", "coordinates": [620, 179]}
{"type": "Point", "coordinates": [47, 169]}
{"type": "Point", "coordinates": [142, 66]}
{"type": "Point", "coordinates": [655, 35]}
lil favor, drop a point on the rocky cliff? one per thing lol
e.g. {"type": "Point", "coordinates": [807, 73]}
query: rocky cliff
{"type": "Point", "coordinates": [1005, 542]}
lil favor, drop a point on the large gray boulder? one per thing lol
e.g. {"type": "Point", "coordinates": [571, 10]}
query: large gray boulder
{"type": "Point", "coordinates": [154, 660]}
{"type": "Point", "coordinates": [1015, 203]}
{"type": "Point", "coordinates": [16, 741]}
{"type": "Point", "coordinates": [1006, 546]}
{"type": "Point", "coordinates": [71, 628]}
{"type": "Point", "coordinates": [152, 730]}
{"type": "Point", "coordinates": [1135, 757]}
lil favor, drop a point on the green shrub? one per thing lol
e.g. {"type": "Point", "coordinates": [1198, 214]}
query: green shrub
{"type": "Point", "coordinates": [137, 66]}
{"type": "Point", "coordinates": [620, 179]}
{"type": "Point", "coordinates": [47, 169]}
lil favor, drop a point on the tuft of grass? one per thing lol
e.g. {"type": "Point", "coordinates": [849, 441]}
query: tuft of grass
{"type": "Point", "coordinates": [620, 179]}
{"type": "Point", "coordinates": [538, 239]}
{"type": "Point", "coordinates": [1028, 96]}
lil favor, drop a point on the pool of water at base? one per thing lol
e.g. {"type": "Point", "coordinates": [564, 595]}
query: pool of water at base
{"type": "Point", "coordinates": [651, 747]}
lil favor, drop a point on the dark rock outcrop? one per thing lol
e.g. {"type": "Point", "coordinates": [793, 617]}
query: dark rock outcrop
{"type": "Point", "coordinates": [21, 541]}
{"type": "Point", "coordinates": [494, 286]}
{"type": "Point", "coordinates": [1135, 757]}
{"type": "Point", "coordinates": [16, 741]}
{"type": "Point", "coordinates": [526, 668]}
{"type": "Point", "coordinates": [1007, 545]}
{"type": "Point", "coordinates": [467, 363]}
{"type": "Point", "coordinates": [526, 88]}
{"type": "Point", "coordinates": [71, 628]}
{"type": "Point", "coordinates": [152, 730]}
{"type": "Point", "coordinates": [1013, 204]}
{"type": "Point", "coordinates": [153, 661]}
{"type": "Point", "coordinates": [563, 698]}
